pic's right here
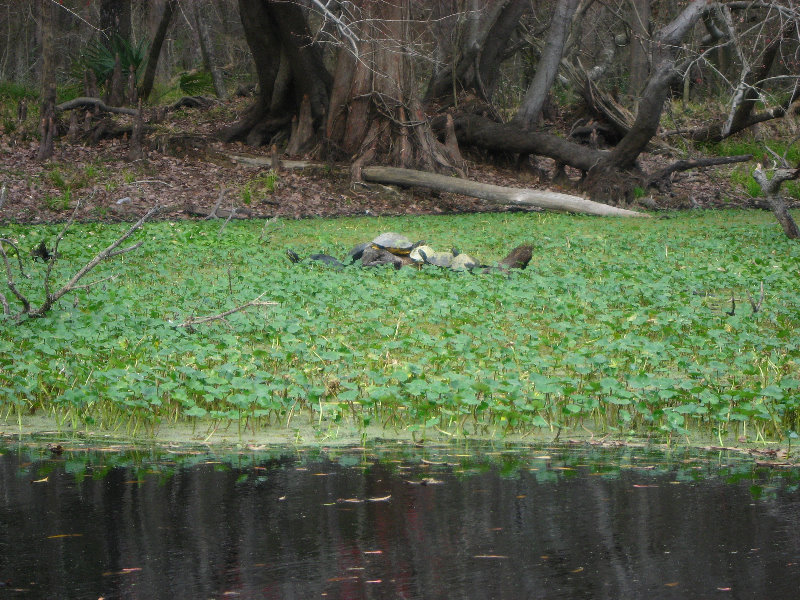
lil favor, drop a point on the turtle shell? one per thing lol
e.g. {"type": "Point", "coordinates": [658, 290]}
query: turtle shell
{"type": "Point", "coordinates": [463, 262]}
{"type": "Point", "coordinates": [394, 243]}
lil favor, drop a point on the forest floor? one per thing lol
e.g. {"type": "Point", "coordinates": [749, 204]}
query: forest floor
{"type": "Point", "coordinates": [188, 178]}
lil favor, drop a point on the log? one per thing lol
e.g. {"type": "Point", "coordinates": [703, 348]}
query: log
{"type": "Point", "coordinates": [495, 193]}
{"type": "Point", "coordinates": [83, 102]}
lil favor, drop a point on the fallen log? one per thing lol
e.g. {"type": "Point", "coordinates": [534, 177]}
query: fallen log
{"type": "Point", "coordinates": [495, 193]}
{"type": "Point", "coordinates": [83, 102]}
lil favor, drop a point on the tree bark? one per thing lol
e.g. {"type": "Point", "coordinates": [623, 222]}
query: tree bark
{"type": "Point", "coordinates": [375, 115]}
{"type": "Point", "coordinates": [639, 46]}
{"type": "Point", "coordinates": [153, 55]}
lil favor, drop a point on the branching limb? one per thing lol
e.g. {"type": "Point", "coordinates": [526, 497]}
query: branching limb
{"type": "Point", "coordinates": [756, 305]}
{"type": "Point", "coordinates": [109, 252]}
{"type": "Point", "coordinates": [192, 321]}
{"type": "Point", "coordinates": [771, 188]}
{"type": "Point", "coordinates": [19, 256]}
{"type": "Point", "coordinates": [84, 102]}
{"type": "Point", "coordinates": [685, 165]}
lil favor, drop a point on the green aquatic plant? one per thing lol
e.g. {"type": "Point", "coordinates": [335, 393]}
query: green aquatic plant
{"type": "Point", "coordinates": [622, 327]}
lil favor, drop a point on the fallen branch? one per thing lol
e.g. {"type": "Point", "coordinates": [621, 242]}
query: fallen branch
{"type": "Point", "coordinates": [190, 322]}
{"type": "Point", "coordinates": [84, 102]}
{"type": "Point", "coordinates": [685, 165]}
{"type": "Point", "coordinates": [771, 188]}
{"type": "Point", "coordinates": [495, 193]}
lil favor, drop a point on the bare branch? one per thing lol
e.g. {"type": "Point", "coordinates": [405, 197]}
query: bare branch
{"type": "Point", "coordinates": [191, 321]}
{"type": "Point", "coordinates": [213, 213]}
{"type": "Point", "coordinates": [756, 305]}
{"type": "Point", "coordinates": [109, 252]}
{"type": "Point", "coordinates": [19, 256]}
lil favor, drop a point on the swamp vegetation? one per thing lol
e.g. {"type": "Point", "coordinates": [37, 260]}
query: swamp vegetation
{"type": "Point", "coordinates": [655, 327]}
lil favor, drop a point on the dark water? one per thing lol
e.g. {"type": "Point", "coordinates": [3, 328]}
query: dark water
{"type": "Point", "coordinates": [395, 522]}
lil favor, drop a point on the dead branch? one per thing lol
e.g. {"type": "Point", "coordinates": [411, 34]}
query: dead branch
{"type": "Point", "coordinates": [190, 322]}
{"type": "Point", "coordinates": [3, 193]}
{"type": "Point", "coordinates": [84, 102]}
{"type": "Point", "coordinates": [756, 305]}
{"type": "Point", "coordinates": [685, 165]}
{"type": "Point", "coordinates": [213, 213]}
{"type": "Point", "coordinates": [771, 188]}
{"type": "Point", "coordinates": [113, 249]}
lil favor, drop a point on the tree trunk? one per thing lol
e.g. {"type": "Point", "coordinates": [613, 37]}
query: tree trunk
{"type": "Point", "coordinates": [115, 18]}
{"type": "Point", "coordinates": [639, 46]}
{"type": "Point", "coordinates": [772, 190]}
{"type": "Point", "coordinates": [665, 48]}
{"type": "Point", "coordinates": [476, 62]}
{"type": "Point", "coordinates": [207, 47]}
{"type": "Point", "coordinates": [375, 115]}
{"type": "Point", "coordinates": [494, 193]}
{"type": "Point", "coordinates": [280, 42]}
{"type": "Point", "coordinates": [547, 69]}
{"type": "Point", "coordinates": [48, 83]}
{"type": "Point", "coordinates": [155, 49]}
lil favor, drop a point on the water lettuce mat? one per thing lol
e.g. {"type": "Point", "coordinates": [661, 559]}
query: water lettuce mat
{"type": "Point", "coordinates": [617, 326]}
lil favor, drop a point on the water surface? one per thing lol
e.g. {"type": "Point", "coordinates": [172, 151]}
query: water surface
{"type": "Point", "coordinates": [395, 521]}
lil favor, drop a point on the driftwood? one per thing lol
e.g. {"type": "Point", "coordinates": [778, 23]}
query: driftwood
{"type": "Point", "coordinates": [495, 193]}
{"type": "Point", "coordinates": [84, 102]}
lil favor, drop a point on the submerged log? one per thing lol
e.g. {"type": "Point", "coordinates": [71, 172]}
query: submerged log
{"type": "Point", "coordinates": [495, 193]}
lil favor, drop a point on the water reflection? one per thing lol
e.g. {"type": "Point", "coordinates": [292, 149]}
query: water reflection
{"type": "Point", "coordinates": [395, 522]}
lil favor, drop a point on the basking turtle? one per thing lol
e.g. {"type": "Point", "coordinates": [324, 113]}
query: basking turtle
{"type": "Point", "coordinates": [427, 255]}
{"type": "Point", "coordinates": [358, 251]}
{"type": "Point", "coordinates": [397, 244]}
{"type": "Point", "coordinates": [464, 262]}
{"type": "Point", "coordinates": [323, 258]}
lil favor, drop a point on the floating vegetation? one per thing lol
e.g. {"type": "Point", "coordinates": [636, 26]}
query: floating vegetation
{"type": "Point", "coordinates": [656, 327]}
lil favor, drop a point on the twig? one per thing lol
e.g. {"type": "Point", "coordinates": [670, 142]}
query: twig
{"type": "Point", "coordinates": [264, 228]}
{"type": "Point", "coordinates": [19, 256]}
{"type": "Point", "coordinates": [756, 306]}
{"type": "Point", "coordinates": [150, 181]}
{"type": "Point", "coordinates": [3, 193]}
{"type": "Point", "coordinates": [732, 311]}
{"type": "Point", "coordinates": [213, 213]}
{"type": "Point", "coordinates": [225, 224]}
{"type": "Point", "coordinates": [86, 286]}
{"type": "Point", "coordinates": [109, 252]}
{"type": "Point", "coordinates": [191, 321]}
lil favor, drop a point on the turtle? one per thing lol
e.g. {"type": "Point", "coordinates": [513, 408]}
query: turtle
{"type": "Point", "coordinates": [326, 259]}
{"type": "Point", "coordinates": [426, 254]}
{"type": "Point", "coordinates": [463, 262]}
{"type": "Point", "coordinates": [358, 251]}
{"type": "Point", "coordinates": [323, 258]}
{"type": "Point", "coordinates": [395, 243]}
